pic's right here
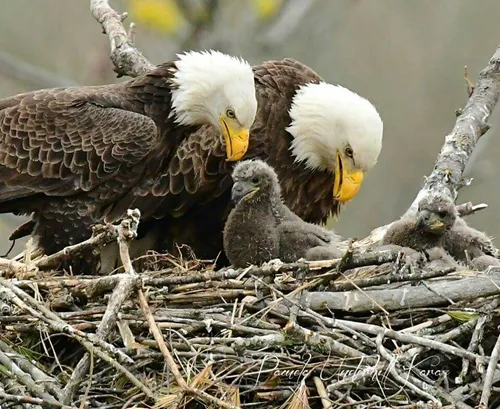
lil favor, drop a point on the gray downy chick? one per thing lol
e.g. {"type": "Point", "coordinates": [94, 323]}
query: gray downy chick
{"type": "Point", "coordinates": [250, 234]}
{"type": "Point", "coordinates": [435, 216]}
{"type": "Point", "coordinates": [299, 239]}
{"type": "Point", "coordinates": [261, 227]}
{"type": "Point", "coordinates": [438, 224]}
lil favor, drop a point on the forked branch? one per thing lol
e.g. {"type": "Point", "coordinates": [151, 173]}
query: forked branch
{"type": "Point", "coordinates": [126, 58]}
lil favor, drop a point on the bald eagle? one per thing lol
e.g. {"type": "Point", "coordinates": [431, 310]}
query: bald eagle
{"type": "Point", "coordinates": [320, 138]}
{"type": "Point", "coordinates": [70, 156]}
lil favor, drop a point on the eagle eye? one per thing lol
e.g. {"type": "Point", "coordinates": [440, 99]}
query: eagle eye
{"type": "Point", "coordinates": [349, 152]}
{"type": "Point", "coordinates": [255, 180]}
{"type": "Point", "coordinates": [230, 113]}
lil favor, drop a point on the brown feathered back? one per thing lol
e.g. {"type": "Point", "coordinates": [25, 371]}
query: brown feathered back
{"type": "Point", "coordinates": [72, 155]}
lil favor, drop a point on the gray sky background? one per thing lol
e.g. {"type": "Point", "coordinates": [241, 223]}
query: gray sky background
{"type": "Point", "coordinates": [406, 57]}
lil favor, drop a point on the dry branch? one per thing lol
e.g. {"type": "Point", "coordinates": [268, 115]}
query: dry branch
{"type": "Point", "coordinates": [24, 378]}
{"type": "Point", "coordinates": [4, 397]}
{"type": "Point", "coordinates": [488, 379]}
{"type": "Point", "coordinates": [471, 123]}
{"type": "Point", "coordinates": [50, 384]}
{"type": "Point", "coordinates": [434, 294]}
{"type": "Point", "coordinates": [107, 235]}
{"type": "Point", "coordinates": [126, 58]}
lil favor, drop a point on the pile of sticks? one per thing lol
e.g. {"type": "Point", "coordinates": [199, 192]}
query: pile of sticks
{"type": "Point", "coordinates": [372, 329]}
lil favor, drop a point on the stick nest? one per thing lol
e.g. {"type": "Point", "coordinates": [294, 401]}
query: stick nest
{"type": "Point", "coordinates": [371, 329]}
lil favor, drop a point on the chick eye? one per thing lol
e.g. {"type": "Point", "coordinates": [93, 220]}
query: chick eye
{"type": "Point", "coordinates": [442, 214]}
{"type": "Point", "coordinates": [255, 180]}
{"type": "Point", "coordinates": [230, 113]}
{"type": "Point", "coordinates": [349, 152]}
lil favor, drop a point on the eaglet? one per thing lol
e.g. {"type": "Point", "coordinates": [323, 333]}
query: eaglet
{"type": "Point", "coordinates": [261, 227]}
{"type": "Point", "coordinates": [438, 227]}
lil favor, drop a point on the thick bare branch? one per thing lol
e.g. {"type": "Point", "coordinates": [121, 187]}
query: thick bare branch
{"type": "Point", "coordinates": [463, 289]}
{"type": "Point", "coordinates": [127, 59]}
{"type": "Point", "coordinates": [470, 125]}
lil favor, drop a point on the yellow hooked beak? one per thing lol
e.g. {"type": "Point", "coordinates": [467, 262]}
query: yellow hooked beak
{"type": "Point", "coordinates": [236, 140]}
{"type": "Point", "coordinates": [347, 182]}
{"type": "Point", "coordinates": [435, 223]}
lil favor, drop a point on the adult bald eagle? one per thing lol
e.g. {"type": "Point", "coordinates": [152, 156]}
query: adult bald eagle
{"type": "Point", "coordinates": [74, 155]}
{"type": "Point", "coordinates": [320, 138]}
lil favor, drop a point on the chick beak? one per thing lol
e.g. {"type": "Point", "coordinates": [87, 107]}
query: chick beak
{"type": "Point", "coordinates": [347, 182]}
{"type": "Point", "coordinates": [429, 222]}
{"type": "Point", "coordinates": [435, 224]}
{"type": "Point", "coordinates": [243, 191]}
{"type": "Point", "coordinates": [236, 140]}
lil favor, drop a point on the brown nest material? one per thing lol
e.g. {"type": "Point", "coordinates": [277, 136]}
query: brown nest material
{"type": "Point", "coordinates": [369, 330]}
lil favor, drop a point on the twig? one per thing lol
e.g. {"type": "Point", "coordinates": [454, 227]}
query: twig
{"type": "Point", "coordinates": [411, 339]}
{"type": "Point", "coordinates": [474, 341]}
{"type": "Point", "coordinates": [126, 58]}
{"type": "Point", "coordinates": [470, 85]}
{"type": "Point", "coordinates": [5, 397]}
{"type": "Point", "coordinates": [40, 377]}
{"type": "Point", "coordinates": [320, 387]}
{"type": "Point", "coordinates": [13, 266]}
{"type": "Point", "coordinates": [393, 371]}
{"type": "Point", "coordinates": [321, 343]}
{"type": "Point", "coordinates": [21, 298]}
{"type": "Point", "coordinates": [121, 293]}
{"type": "Point", "coordinates": [57, 324]}
{"type": "Point", "coordinates": [54, 260]}
{"type": "Point", "coordinates": [470, 125]}
{"type": "Point", "coordinates": [488, 379]}
{"type": "Point", "coordinates": [127, 232]}
{"type": "Point", "coordinates": [24, 378]}
{"type": "Point", "coordinates": [466, 209]}
{"type": "Point", "coordinates": [97, 285]}
{"type": "Point", "coordinates": [358, 260]}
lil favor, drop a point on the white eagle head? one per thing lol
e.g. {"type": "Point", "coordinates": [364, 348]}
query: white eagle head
{"type": "Point", "coordinates": [214, 88]}
{"type": "Point", "coordinates": [337, 130]}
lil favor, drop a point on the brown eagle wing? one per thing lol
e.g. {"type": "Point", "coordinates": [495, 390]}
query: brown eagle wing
{"type": "Point", "coordinates": [197, 173]}
{"type": "Point", "coordinates": [61, 142]}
